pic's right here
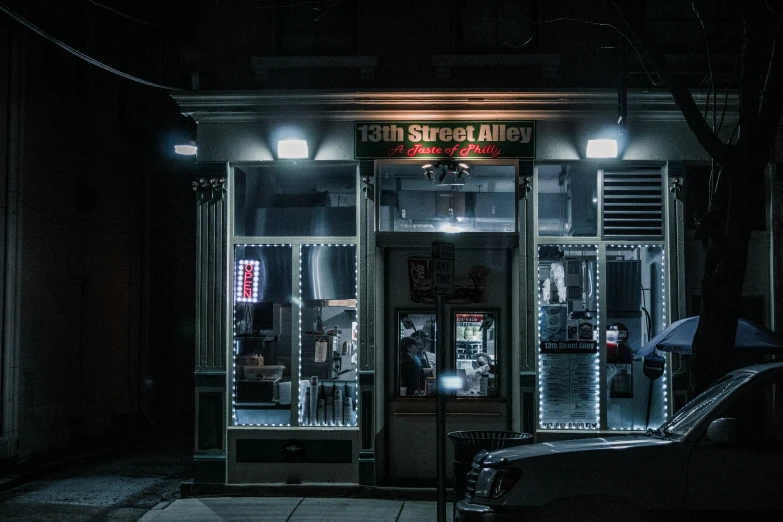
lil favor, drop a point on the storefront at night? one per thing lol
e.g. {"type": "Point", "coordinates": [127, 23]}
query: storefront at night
{"type": "Point", "coordinates": [316, 315]}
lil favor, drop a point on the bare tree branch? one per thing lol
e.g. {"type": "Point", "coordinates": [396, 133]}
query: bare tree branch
{"type": "Point", "coordinates": [680, 92]}
{"type": "Point", "coordinates": [750, 77]}
{"type": "Point", "coordinates": [772, 95]}
{"type": "Point", "coordinates": [709, 66]}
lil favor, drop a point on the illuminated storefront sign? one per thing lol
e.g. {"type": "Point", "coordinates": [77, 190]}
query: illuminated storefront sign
{"type": "Point", "coordinates": [247, 281]}
{"type": "Point", "coordinates": [442, 139]}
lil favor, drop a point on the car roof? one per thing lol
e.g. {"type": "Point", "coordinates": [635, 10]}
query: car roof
{"type": "Point", "coordinates": [761, 368]}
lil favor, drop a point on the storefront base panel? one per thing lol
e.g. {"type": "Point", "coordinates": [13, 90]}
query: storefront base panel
{"type": "Point", "coordinates": [209, 469]}
{"type": "Point", "coordinates": [293, 456]}
{"type": "Point", "coordinates": [412, 436]}
{"type": "Point", "coordinates": [367, 468]}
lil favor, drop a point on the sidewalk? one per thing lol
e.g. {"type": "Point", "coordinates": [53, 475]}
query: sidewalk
{"type": "Point", "coordinates": [294, 509]}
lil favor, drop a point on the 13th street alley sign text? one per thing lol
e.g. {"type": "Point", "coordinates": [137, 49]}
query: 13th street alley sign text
{"type": "Point", "coordinates": [445, 139]}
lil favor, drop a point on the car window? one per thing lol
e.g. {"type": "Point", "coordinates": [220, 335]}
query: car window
{"type": "Point", "coordinates": [697, 409]}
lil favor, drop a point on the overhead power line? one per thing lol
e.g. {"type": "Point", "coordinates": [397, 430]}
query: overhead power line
{"type": "Point", "coordinates": [80, 54]}
{"type": "Point", "coordinates": [120, 13]}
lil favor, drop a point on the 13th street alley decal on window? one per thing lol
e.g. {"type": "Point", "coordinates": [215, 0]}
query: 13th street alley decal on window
{"type": "Point", "coordinates": [445, 139]}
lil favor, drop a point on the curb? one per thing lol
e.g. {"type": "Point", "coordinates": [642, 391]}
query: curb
{"type": "Point", "coordinates": [190, 489]}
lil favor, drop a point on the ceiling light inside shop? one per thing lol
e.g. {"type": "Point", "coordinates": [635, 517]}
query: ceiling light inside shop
{"type": "Point", "coordinates": [445, 169]}
{"type": "Point", "coordinates": [292, 149]}
{"type": "Point", "coordinates": [428, 173]}
{"type": "Point", "coordinates": [601, 148]}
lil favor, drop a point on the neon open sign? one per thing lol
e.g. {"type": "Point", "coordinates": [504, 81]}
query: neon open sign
{"type": "Point", "coordinates": [247, 281]}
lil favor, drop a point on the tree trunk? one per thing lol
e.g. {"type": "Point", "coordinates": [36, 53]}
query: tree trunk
{"type": "Point", "coordinates": [729, 230]}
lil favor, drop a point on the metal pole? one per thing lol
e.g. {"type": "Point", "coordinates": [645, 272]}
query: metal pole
{"type": "Point", "coordinates": [440, 411]}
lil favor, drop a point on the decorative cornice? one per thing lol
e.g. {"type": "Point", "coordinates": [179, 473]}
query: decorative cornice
{"type": "Point", "coordinates": [248, 106]}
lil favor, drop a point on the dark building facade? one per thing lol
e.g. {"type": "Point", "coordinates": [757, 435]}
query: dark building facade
{"type": "Point", "coordinates": [292, 285]}
{"type": "Point", "coordinates": [458, 122]}
{"type": "Point", "coordinates": [88, 232]}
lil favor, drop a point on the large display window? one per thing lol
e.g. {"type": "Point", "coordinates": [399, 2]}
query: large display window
{"type": "Point", "coordinates": [635, 309]}
{"type": "Point", "coordinates": [447, 196]}
{"type": "Point", "coordinates": [633, 391]}
{"type": "Point", "coordinates": [295, 328]}
{"type": "Point", "coordinates": [306, 332]}
{"type": "Point", "coordinates": [601, 301]}
{"type": "Point", "coordinates": [568, 358]}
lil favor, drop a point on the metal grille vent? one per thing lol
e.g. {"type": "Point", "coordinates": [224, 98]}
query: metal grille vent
{"type": "Point", "coordinates": [633, 203]}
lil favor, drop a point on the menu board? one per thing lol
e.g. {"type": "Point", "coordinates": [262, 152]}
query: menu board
{"type": "Point", "coordinates": [569, 392]}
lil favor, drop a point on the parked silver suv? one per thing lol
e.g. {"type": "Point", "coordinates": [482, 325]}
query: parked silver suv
{"type": "Point", "coordinates": [722, 453]}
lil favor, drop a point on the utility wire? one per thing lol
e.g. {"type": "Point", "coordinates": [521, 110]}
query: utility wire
{"type": "Point", "coordinates": [80, 54]}
{"type": "Point", "coordinates": [120, 13]}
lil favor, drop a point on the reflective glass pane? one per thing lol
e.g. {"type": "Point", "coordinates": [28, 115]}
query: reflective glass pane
{"type": "Point", "coordinates": [567, 200]}
{"type": "Point", "coordinates": [462, 197]}
{"type": "Point", "coordinates": [636, 399]}
{"type": "Point", "coordinates": [262, 335]}
{"type": "Point", "coordinates": [568, 337]}
{"type": "Point", "coordinates": [295, 200]}
{"type": "Point", "coordinates": [417, 334]}
{"type": "Point", "coordinates": [328, 354]}
{"type": "Point", "coordinates": [476, 349]}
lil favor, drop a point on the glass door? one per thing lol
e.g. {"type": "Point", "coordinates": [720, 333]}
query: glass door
{"type": "Point", "coordinates": [475, 339]}
{"type": "Point", "coordinates": [417, 367]}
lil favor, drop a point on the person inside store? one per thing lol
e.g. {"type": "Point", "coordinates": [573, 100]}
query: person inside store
{"type": "Point", "coordinates": [411, 370]}
{"type": "Point", "coordinates": [426, 353]}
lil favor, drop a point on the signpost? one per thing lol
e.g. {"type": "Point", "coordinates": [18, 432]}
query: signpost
{"type": "Point", "coordinates": [442, 268]}
{"type": "Point", "coordinates": [442, 285]}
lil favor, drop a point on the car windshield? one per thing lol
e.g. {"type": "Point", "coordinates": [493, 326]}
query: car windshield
{"type": "Point", "coordinates": [696, 410]}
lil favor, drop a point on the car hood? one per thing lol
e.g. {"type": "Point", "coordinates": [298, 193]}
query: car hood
{"type": "Point", "coordinates": [572, 446]}
{"type": "Point", "coordinates": [617, 467]}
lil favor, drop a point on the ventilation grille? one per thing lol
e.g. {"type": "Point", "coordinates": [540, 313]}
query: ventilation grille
{"type": "Point", "coordinates": [633, 204]}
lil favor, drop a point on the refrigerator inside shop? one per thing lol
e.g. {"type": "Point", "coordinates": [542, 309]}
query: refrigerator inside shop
{"type": "Point", "coordinates": [476, 350]}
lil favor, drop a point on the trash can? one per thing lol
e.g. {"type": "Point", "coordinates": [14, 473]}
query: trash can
{"type": "Point", "coordinates": [468, 443]}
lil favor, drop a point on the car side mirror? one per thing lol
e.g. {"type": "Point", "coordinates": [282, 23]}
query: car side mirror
{"type": "Point", "coordinates": [722, 431]}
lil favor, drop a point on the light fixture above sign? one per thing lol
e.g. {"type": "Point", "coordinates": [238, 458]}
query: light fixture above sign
{"type": "Point", "coordinates": [186, 149]}
{"type": "Point", "coordinates": [601, 148]}
{"type": "Point", "coordinates": [292, 149]}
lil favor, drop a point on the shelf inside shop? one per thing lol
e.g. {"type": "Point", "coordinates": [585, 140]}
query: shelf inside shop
{"type": "Point", "coordinates": [264, 405]}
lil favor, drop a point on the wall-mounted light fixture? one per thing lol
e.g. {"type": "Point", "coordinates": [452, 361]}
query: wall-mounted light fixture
{"type": "Point", "coordinates": [601, 148]}
{"type": "Point", "coordinates": [292, 149]}
{"type": "Point", "coordinates": [186, 149]}
{"type": "Point", "coordinates": [184, 137]}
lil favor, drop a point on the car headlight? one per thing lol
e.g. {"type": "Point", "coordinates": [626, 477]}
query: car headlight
{"type": "Point", "coordinates": [494, 482]}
